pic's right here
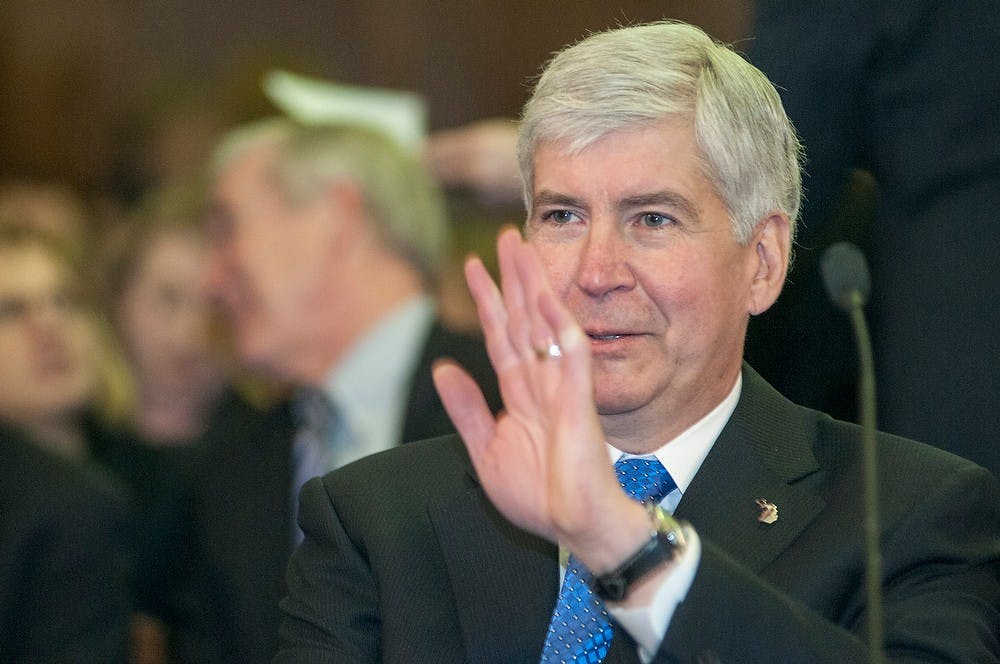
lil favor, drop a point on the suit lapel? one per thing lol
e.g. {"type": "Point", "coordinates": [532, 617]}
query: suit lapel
{"type": "Point", "coordinates": [503, 579]}
{"type": "Point", "coordinates": [764, 452]}
{"type": "Point", "coordinates": [425, 415]}
{"type": "Point", "coordinates": [624, 649]}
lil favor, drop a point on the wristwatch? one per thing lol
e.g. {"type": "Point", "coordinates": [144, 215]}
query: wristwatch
{"type": "Point", "coordinates": [666, 541]}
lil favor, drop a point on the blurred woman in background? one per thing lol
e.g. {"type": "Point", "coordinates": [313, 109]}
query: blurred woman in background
{"type": "Point", "coordinates": [167, 386]}
{"type": "Point", "coordinates": [67, 537]}
{"type": "Point", "coordinates": [152, 276]}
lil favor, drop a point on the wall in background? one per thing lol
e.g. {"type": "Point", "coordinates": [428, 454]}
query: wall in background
{"type": "Point", "coordinates": [91, 90]}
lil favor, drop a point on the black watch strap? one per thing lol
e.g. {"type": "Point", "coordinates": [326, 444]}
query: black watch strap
{"type": "Point", "coordinates": [664, 542]}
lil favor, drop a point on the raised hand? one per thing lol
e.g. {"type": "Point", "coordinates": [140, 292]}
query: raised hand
{"type": "Point", "coordinates": [542, 461]}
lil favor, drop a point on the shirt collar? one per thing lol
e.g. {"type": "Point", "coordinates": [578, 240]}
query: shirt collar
{"type": "Point", "coordinates": [378, 368]}
{"type": "Point", "coordinates": [683, 456]}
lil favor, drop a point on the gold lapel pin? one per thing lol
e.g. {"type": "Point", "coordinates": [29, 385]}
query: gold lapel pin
{"type": "Point", "coordinates": [768, 511]}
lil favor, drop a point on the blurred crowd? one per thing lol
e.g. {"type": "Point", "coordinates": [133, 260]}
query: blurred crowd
{"type": "Point", "coordinates": [113, 368]}
{"type": "Point", "coordinates": [163, 359]}
{"type": "Point", "coordinates": [161, 362]}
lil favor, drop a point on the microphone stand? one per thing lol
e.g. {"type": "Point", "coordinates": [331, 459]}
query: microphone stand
{"type": "Point", "coordinates": [845, 276]}
{"type": "Point", "coordinates": [866, 409]}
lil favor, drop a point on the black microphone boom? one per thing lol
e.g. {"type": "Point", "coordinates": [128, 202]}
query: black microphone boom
{"type": "Point", "coordinates": [845, 275]}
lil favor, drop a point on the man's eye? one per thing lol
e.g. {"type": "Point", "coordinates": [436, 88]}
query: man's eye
{"type": "Point", "coordinates": [560, 216]}
{"type": "Point", "coordinates": [655, 220]}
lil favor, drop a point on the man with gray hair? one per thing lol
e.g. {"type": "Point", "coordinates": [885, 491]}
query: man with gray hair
{"type": "Point", "coordinates": [325, 244]}
{"type": "Point", "coordinates": [645, 495]}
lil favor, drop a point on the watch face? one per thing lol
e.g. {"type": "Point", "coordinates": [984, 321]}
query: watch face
{"type": "Point", "coordinates": [610, 588]}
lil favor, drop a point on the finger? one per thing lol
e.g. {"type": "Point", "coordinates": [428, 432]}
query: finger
{"type": "Point", "coordinates": [542, 335]}
{"type": "Point", "coordinates": [465, 405]}
{"type": "Point", "coordinates": [508, 362]}
{"type": "Point", "coordinates": [580, 438]}
{"type": "Point", "coordinates": [575, 360]}
{"type": "Point", "coordinates": [509, 245]}
{"type": "Point", "coordinates": [492, 314]}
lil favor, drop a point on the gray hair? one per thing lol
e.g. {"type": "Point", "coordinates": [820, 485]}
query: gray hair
{"type": "Point", "coordinates": [400, 194]}
{"type": "Point", "coordinates": [641, 75]}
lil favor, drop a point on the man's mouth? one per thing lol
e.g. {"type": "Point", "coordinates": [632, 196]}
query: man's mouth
{"type": "Point", "coordinates": [605, 337]}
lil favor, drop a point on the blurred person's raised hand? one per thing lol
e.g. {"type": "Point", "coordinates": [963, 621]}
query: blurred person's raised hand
{"type": "Point", "coordinates": [480, 157]}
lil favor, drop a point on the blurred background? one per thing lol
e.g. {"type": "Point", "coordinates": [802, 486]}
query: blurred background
{"type": "Point", "coordinates": [111, 99]}
{"type": "Point", "coordinates": [895, 102]}
{"type": "Point", "coordinates": [105, 96]}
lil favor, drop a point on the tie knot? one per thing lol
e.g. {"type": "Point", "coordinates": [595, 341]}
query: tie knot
{"type": "Point", "coordinates": [314, 412]}
{"type": "Point", "coordinates": [644, 479]}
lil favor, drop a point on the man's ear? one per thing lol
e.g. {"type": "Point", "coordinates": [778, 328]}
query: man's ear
{"type": "Point", "coordinates": [347, 211]}
{"type": "Point", "coordinates": [348, 196]}
{"type": "Point", "coordinates": [771, 244]}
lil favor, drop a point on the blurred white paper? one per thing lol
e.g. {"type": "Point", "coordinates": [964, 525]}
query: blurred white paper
{"type": "Point", "coordinates": [401, 115]}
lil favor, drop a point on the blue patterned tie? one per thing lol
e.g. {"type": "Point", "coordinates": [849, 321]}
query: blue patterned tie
{"type": "Point", "coordinates": [580, 630]}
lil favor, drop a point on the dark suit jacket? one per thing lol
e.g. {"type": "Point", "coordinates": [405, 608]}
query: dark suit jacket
{"type": "Point", "coordinates": [65, 562]}
{"type": "Point", "coordinates": [245, 512]}
{"type": "Point", "coordinates": [405, 560]}
{"type": "Point", "coordinates": [907, 91]}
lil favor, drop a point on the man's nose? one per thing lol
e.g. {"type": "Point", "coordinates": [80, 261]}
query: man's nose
{"type": "Point", "coordinates": [604, 266]}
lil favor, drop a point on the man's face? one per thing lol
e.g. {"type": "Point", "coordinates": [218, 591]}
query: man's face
{"type": "Point", "coordinates": [46, 339]}
{"type": "Point", "coordinates": [638, 245]}
{"type": "Point", "coordinates": [266, 263]}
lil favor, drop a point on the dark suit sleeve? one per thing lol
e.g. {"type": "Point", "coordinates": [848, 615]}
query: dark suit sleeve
{"type": "Point", "coordinates": [75, 580]}
{"type": "Point", "coordinates": [941, 593]}
{"type": "Point", "coordinates": [330, 613]}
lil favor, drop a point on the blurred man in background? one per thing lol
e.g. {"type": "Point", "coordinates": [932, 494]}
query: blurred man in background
{"type": "Point", "coordinates": [324, 245]}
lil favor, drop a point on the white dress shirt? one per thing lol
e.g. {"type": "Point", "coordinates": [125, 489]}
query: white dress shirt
{"type": "Point", "coordinates": [682, 457]}
{"type": "Point", "coordinates": [370, 385]}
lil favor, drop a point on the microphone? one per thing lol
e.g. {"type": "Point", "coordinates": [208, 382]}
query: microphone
{"type": "Point", "coordinates": [847, 282]}
{"type": "Point", "coordinates": [845, 275]}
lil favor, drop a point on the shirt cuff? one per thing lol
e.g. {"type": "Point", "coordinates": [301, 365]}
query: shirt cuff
{"type": "Point", "coordinates": [648, 624]}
